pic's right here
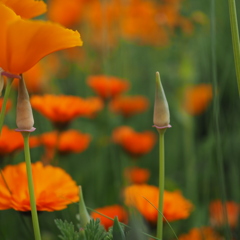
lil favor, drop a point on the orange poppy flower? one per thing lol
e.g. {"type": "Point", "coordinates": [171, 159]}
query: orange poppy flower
{"type": "Point", "coordinates": [175, 206]}
{"type": "Point", "coordinates": [106, 86]}
{"type": "Point", "coordinates": [129, 105]}
{"type": "Point", "coordinates": [69, 141]}
{"type": "Point", "coordinates": [63, 109]}
{"type": "Point", "coordinates": [54, 188]}
{"type": "Point", "coordinates": [9, 104]}
{"type": "Point", "coordinates": [110, 211]}
{"type": "Point", "coordinates": [39, 39]}
{"type": "Point", "coordinates": [26, 8]}
{"type": "Point", "coordinates": [137, 175]}
{"type": "Point", "coordinates": [203, 233]}
{"type": "Point", "coordinates": [197, 98]}
{"type": "Point", "coordinates": [217, 217]}
{"type": "Point", "coordinates": [133, 142]}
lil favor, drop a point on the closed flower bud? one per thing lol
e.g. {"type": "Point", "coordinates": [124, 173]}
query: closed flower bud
{"type": "Point", "coordinates": [161, 116]}
{"type": "Point", "coordinates": [25, 119]}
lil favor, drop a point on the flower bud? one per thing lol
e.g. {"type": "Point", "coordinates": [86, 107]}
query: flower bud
{"type": "Point", "coordinates": [83, 213]}
{"type": "Point", "coordinates": [161, 116]}
{"type": "Point", "coordinates": [25, 119]}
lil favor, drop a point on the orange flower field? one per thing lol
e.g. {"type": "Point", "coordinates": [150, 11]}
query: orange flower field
{"type": "Point", "coordinates": [117, 120]}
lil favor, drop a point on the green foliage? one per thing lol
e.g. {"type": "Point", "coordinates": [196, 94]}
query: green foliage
{"type": "Point", "coordinates": [67, 230]}
{"type": "Point", "coordinates": [93, 231]}
{"type": "Point", "coordinates": [118, 233]}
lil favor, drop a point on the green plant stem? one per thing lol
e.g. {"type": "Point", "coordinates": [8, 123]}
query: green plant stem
{"type": "Point", "coordinates": [4, 105]}
{"type": "Point", "coordinates": [219, 154]}
{"type": "Point", "coordinates": [36, 228]}
{"type": "Point", "coordinates": [161, 184]}
{"type": "Point", "coordinates": [235, 38]}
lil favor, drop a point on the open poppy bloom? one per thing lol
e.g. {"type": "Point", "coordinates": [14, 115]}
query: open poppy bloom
{"type": "Point", "coordinates": [175, 206]}
{"type": "Point", "coordinates": [24, 42]}
{"type": "Point", "coordinates": [197, 98]}
{"type": "Point", "coordinates": [106, 86]}
{"type": "Point", "coordinates": [129, 105]}
{"type": "Point", "coordinates": [26, 8]}
{"type": "Point", "coordinates": [137, 175]}
{"type": "Point", "coordinates": [62, 109]}
{"type": "Point", "coordinates": [203, 233]}
{"type": "Point", "coordinates": [110, 211]}
{"type": "Point", "coordinates": [69, 141]}
{"type": "Point", "coordinates": [54, 188]}
{"type": "Point", "coordinates": [135, 143]}
{"type": "Point", "coordinates": [217, 217]}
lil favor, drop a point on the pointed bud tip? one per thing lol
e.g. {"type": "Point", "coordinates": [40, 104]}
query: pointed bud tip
{"type": "Point", "coordinates": [161, 117]}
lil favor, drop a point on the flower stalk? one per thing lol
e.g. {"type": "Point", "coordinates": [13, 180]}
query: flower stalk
{"type": "Point", "coordinates": [235, 38]}
{"type": "Point", "coordinates": [35, 222]}
{"type": "Point", "coordinates": [161, 184]}
{"type": "Point", "coordinates": [161, 120]}
{"type": "Point", "coordinates": [5, 99]}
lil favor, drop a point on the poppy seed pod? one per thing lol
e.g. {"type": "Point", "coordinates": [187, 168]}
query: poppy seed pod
{"type": "Point", "coordinates": [161, 116]}
{"type": "Point", "coordinates": [25, 119]}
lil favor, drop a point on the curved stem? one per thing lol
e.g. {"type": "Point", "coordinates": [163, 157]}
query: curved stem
{"type": "Point", "coordinates": [4, 105]}
{"type": "Point", "coordinates": [36, 228]}
{"type": "Point", "coordinates": [235, 39]}
{"type": "Point", "coordinates": [161, 185]}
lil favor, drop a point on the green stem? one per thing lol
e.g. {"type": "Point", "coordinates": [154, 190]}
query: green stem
{"type": "Point", "coordinates": [161, 184]}
{"type": "Point", "coordinates": [219, 154]}
{"type": "Point", "coordinates": [31, 187]}
{"type": "Point", "coordinates": [235, 39]}
{"type": "Point", "coordinates": [4, 105]}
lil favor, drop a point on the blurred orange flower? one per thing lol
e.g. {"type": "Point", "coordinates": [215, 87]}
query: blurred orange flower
{"type": "Point", "coordinates": [203, 233]}
{"type": "Point", "coordinates": [175, 206]}
{"type": "Point", "coordinates": [69, 141]}
{"type": "Point", "coordinates": [197, 98]}
{"type": "Point", "coordinates": [26, 8]}
{"type": "Point", "coordinates": [39, 39]}
{"type": "Point", "coordinates": [10, 141]}
{"type": "Point", "coordinates": [145, 22]}
{"type": "Point", "coordinates": [54, 188]}
{"type": "Point", "coordinates": [217, 216]}
{"type": "Point", "coordinates": [106, 86]}
{"type": "Point", "coordinates": [133, 142]}
{"type": "Point", "coordinates": [137, 175]}
{"type": "Point", "coordinates": [9, 104]}
{"type": "Point", "coordinates": [129, 105]}
{"type": "Point", "coordinates": [62, 109]}
{"type": "Point", "coordinates": [67, 13]}
{"type": "Point", "coordinates": [110, 211]}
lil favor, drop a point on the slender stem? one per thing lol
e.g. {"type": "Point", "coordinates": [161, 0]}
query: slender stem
{"type": "Point", "coordinates": [4, 105]}
{"type": "Point", "coordinates": [161, 184]}
{"type": "Point", "coordinates": [36, 228]}
{"type": "Point", "coordinates": [235, 38]}
{"type": "Point", "coordinates": [219, 154]}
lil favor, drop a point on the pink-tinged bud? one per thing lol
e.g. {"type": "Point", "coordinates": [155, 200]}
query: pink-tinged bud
{"type": "Point", "coordinates": [25, 119]}
{"type": "Point", "coordinates": [161, 116]}
{"type": "Point", "coordinates": [1, 81]}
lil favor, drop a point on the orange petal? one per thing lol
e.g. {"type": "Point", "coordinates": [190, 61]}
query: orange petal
{"type": "Point", "coordinates": [24, 42]}
{"type": "Point", "coordinates": [26, 8]}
